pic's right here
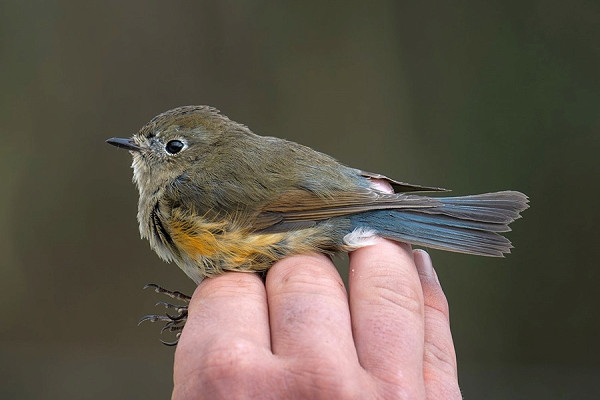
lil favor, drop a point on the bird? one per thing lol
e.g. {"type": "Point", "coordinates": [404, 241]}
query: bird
{"type": "Point", "coordinates": [216, 197]}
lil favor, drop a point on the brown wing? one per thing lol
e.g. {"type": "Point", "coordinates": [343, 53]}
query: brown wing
{"type": "Point", "coordinates": [400, 187]}
{"type": "Point", "coordinates": [297, 209]}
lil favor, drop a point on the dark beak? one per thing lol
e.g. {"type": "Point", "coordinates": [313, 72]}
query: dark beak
{"type": "Point", "coordinates": [124, 143]}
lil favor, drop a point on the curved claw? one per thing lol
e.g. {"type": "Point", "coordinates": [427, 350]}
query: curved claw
{"type": "Point", "coordinates": [166, 305]}
{"type": "Point", "coordinates": [173, 343]}
{"type": "Point", "coordinates": [173, 323]}
{"type": "Point", "coordinates": [182, 315]}
{"type": "Point", "coordinates": [155, 318]}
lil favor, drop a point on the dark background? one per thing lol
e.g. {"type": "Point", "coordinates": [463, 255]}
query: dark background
{"type": "Point", "coordinates": [474, 96]}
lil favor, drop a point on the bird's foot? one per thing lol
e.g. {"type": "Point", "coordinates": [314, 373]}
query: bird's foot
{"type": "Point", "coordinates": [173, 323]}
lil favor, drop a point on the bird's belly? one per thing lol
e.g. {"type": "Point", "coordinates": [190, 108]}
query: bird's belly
{"type": "Point", "coordinates": [206, 251]}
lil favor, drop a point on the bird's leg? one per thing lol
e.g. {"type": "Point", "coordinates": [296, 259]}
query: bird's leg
{"type": "Point", "coordinates": [173, 323]}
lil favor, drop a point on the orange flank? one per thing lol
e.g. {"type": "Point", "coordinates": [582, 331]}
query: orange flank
{"type": "Point", "coordinates": [220, 240]}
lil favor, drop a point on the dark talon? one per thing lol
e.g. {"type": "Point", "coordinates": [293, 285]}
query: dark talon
{"type": "Point", "coordinates": [173, 323]}
{"type": "Point", "coordinates": [182, 315]}
{"type": "Point", "coordinates": [167, 305]}
{"type": "Point", "coordinates": [173, 294]}
{"type": "Point", "coordinates": [173, 343]}
{"type": "Point", "coordinates": [155, 318]}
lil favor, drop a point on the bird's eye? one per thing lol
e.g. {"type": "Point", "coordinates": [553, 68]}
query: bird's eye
{"type": "Point", "coordinates": [174, 146]}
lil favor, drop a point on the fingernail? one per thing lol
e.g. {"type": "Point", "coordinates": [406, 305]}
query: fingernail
{"type": "Point", "coordinates": [424, 264]}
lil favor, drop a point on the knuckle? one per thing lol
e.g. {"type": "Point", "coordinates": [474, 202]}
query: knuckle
{"type": "Point", "coordinates": [230, 283]}
{"type": "Point", "coordinates": [396, 292]}
{"type": "Point", "coordinates": [306, 274]}
{"type": "Point", "coordinates": [403, 297]}
{"type": "Point", "coordinates": [226, 358]}
{"type": "Point", "coordinates": [444, 390]}
{"type": "Point", "coordinates": [224, 362]}
{"type": "Point", "coordinates": [439, 360]}
{"type": "Point", "coordinates": [390, 391]}
{"type": "Point", "coordinates": [326, 379]}
{"type": "Point", "coordinates": [436, 302]}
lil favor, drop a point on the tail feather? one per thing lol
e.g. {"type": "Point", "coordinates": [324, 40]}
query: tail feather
{"type": "Point", "coordinates": [500, 207]}
{"type": "Point", "coordinates": [469, 224]}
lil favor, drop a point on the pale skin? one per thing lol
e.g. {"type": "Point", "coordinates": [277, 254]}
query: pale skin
{"type": "Point", "coordinates": [301, 335]}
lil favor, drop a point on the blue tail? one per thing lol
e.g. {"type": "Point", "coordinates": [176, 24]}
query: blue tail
{"type": "Point", "coordinates": [468, 224]}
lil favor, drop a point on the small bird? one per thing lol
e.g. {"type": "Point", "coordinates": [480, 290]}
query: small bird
{"type": "Point", "coordinates": [216, 197]}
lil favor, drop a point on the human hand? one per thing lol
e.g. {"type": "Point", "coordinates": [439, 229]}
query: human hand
{"type": "Point", "coordinates": [299, 335]}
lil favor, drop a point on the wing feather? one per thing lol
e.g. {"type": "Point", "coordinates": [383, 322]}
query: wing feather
{"type": "Point", "coordinates": [401, 186]}
{"type": "Point", "coordinates": [297, 208]}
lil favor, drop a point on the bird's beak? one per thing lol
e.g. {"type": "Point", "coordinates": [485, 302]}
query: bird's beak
{"type": "Point", "coordinates": [124, 143]}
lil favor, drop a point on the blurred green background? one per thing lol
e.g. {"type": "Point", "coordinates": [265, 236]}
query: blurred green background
{"type": "Point", "coordinates": [473, 96]}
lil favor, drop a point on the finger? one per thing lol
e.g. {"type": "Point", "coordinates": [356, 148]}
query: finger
{"type": "Point", "coordinates": [439, 357]}
{"type": "Point", "coordinates": [386, 303]}
{"type": "Point", "coordinates": [227, 329]}
{"type": "Point", "coordinates": [228, 311]}
{"type": "Point", "coordinates": [309, 309]}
